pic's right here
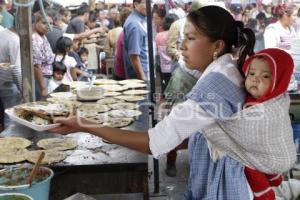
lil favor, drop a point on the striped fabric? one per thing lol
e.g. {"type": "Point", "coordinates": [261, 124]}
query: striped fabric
{"type": "Point", "coordinates": [259, 136]}
{"type": "Point", "coordinates": [222, 179]}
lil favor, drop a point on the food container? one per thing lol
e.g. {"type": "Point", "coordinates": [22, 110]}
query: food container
{"type": "Point", "coordinates": [90, 93]}
{"type": "Point", "coordinates": [14, 180]}
{"type": "Point", "coordinates": [15, 196]}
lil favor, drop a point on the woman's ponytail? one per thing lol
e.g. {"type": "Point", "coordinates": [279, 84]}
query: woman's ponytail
{"type": "Point", "coordinates": [245, 43]}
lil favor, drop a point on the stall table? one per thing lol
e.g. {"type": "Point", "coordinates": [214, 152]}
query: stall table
{"type": "Point", "coordinates": [94, 167]}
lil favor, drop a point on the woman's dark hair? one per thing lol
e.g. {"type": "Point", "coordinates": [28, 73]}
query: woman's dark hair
{"type": "Point", "coordinates": [62, 46]}
{"type": "Point", "coordinates": [168, 20]}
{"type": "Point", "coordinates": [218, 24]}
{"type": "Point", "coordinates": [59, 67]}
{"type": "Point", "coordinates": [83, 50]}
{"type": "Point", "coordinates": [161, 12]}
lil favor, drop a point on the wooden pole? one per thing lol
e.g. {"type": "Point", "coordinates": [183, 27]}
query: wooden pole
{"type": "Point", "coordinates": [24, 29]}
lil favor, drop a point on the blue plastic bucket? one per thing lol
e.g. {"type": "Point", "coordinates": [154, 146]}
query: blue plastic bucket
{"type": "Point", "coordinates": [40, 187]}
{"type": "Point", "coordinates": [11, 196]}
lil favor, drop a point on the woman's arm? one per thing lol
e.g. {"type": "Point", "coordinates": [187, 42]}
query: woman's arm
{"type": "Point", "coordinates": [38, 74]}
{"type": "Point", "coordinates": [137, 140]}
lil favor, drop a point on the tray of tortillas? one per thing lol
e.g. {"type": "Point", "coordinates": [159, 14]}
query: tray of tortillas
{"type": "Point", "coordinates": [38, 115]}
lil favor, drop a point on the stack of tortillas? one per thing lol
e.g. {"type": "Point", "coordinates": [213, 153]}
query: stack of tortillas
{"type": "Point", "coordinates": [53, 148]}
{"type": "Point", "coordinates": [13, 150]}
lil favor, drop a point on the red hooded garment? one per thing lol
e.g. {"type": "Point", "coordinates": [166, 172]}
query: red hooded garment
{"type": "Point", "coordinates": [282, 67]}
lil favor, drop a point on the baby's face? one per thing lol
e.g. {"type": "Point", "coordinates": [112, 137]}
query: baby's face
{"type": "Point", "coordinates": [259, 78]}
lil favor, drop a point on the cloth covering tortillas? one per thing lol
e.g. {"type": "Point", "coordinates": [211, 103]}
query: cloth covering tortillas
{"type": "Point", "coordinates": [12, 155]}
{"type": "Point", "coordinates": [58, 144]}
{"type": "Point", "coordinates": [51, 156]}
{"type": "Point", "coordinates": [14, 142]}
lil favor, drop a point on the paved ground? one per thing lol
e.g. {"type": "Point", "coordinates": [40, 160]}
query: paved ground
{"type": "Point", "coordinates": [170, 186]}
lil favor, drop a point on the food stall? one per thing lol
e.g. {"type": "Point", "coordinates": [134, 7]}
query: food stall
{"type": "Point", "coordinates": [94, 166]}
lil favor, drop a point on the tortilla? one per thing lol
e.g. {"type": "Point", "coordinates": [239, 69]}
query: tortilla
{"type": "Point", "coordinates": [122, 106]}
{"type": "Point", "coordinates": [118, 122]}
{"type": "Point", "coordinates": [12, 155]}
{"type": "Point", "coordinates": [105, 82]}
{"type": "Point", "coordinates": [113, 88]}
{"type": "Point", "coordinates": [128, 81]}
{"type": "Point", "coordinates": [63, 95]}
{"type": "Point", "coordinates": [51, 156]}
{"type": "Point", "coordinates": [135, 85]}
{"type": "Point", "coordinates": [130, 98]}
{"type": "Point", "coordinates": [136, 92]}
{"type": "Point", "coordinates": [112, 94]}
{"type": "Point", "coordinates": [108, 100]}
{"type": "Point", "coordinates": [124, 113]}
{"type": "Point", "coordinates": [14, 142]}
{"type": "Point", "coordinates": [93, 108]}
{"type": "Point", "coordinates": [58, 144]}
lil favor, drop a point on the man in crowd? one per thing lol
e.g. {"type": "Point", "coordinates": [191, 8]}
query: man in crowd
{"type": "Point", "coordinates": [135, 43]}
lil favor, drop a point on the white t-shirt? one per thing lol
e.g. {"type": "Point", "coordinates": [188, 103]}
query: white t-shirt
{"type": "Point", "coordinates": [53, 84]}
{"type": "Point", "coordinates": [276, 36]}
{"type": "Point", "coordinates": [70, 62]}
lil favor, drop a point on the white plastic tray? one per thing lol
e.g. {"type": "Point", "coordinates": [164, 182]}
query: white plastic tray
{"type": "Point", "coordinates": [12, 116]}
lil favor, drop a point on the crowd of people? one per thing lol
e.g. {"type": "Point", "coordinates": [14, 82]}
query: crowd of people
{"type": "Point", "coordinates": [203, 53]}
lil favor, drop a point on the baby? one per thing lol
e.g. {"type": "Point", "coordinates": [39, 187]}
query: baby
{"type": "Point", "coordinates": [260, 135]}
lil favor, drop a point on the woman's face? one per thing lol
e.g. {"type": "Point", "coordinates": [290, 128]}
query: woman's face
{"type": "Point", "coordinates": [289, 19]}
{"type": "Point", "coordinates": [158, 21]}
{"type": "Point", "coordinates": [197, 49]}
{"type": "Point", "coordinates": [41, 27]}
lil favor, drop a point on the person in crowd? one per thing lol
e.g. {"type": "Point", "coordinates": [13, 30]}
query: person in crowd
{"type": "Point", "coordinates": [59, 70]}
{"type": "Point", "coordinates": [7, 19]}
{"type": "Point", "coordinates": [119, 69]}
{"type": "Point", "coordinates": [102, 19]}
{"type": "Point", "coordinates": [66, 17]}
{"type": "Point", "coordinates": [42, 56]}
{"type": "Point", "coordinates": [83, 54]}
{"type": "Point", "coordinates": [92, 22]}
{"type": "Point", "coordinates": [161, 45]}
{"type": "Point", "coordinates": [281, 34]}
{"type": "Point", "coordinates": [112, 37]}
{"type": "Point", "coordinates": [179, 8]}
{"type": "Point", "coordinates": [77, 24]}
{"type": "Point", "coordinates": [158, 17]}
{"type": "Point", "coordinates": [57, 30]}
{"type": "Point", "coordinates": [135, 43]}
{"type": "Point", "coordinates": [113, 16]}
{"type": "Point", "coordinates": [63, 46]}
{"type": "Point", "coordinates": [211, 28]}
{"type": "Point", "coordinates": [10, 75]}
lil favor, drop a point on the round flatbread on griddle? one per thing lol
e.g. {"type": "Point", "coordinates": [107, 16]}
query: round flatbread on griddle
{"type": "Point", "coordinates": [51, 156]}
{"type": "Point", "coordinates": [14, 142]}
{"type": "Point", "coordinates": [58, 144]}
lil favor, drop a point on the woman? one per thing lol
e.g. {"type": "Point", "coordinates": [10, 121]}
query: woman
{"type": "Point", "coordinates": [281, 34]}
{"type": "Point", "coordinates": [210, 33]}
{"type": "Point", "coordinates": [43, 56]}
